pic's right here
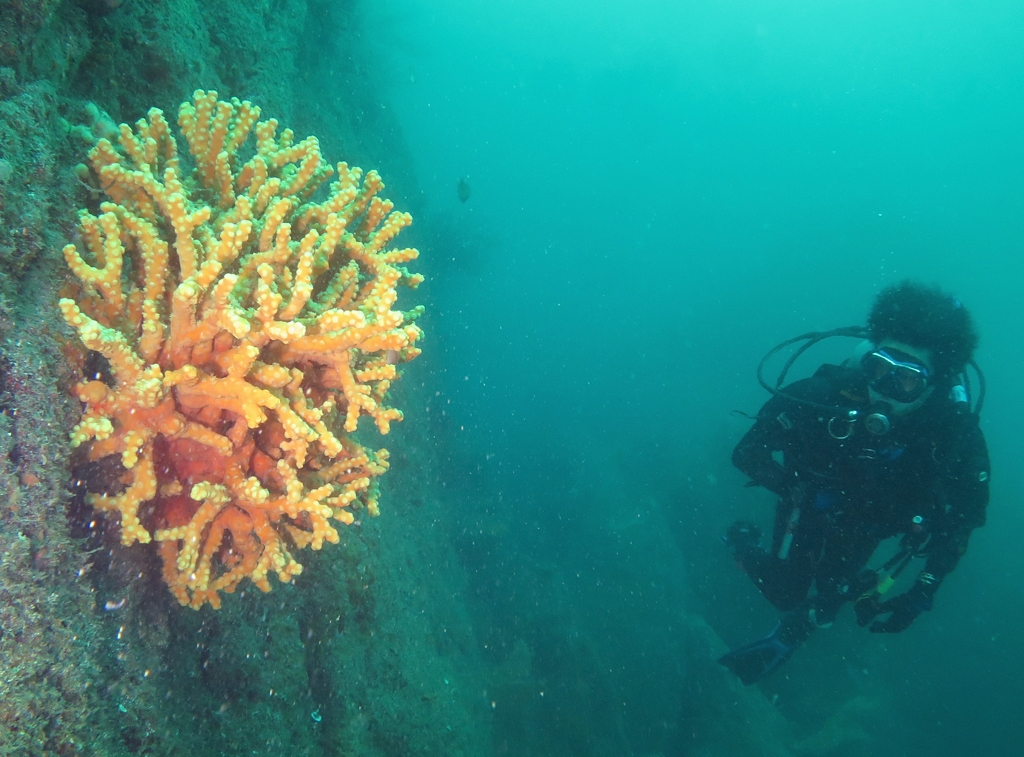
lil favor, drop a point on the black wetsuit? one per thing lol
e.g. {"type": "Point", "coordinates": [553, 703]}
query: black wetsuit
{"type": "Point", "coordinates": [927, 477]}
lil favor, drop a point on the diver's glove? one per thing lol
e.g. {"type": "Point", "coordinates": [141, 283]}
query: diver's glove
{"type": "Point", "coordinates": [904, 609]}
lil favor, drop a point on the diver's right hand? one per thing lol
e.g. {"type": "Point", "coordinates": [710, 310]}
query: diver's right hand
{"type": "Point", "coordinates": [905, 608]}
{"type": "Point", "coordinates": [867, 608]}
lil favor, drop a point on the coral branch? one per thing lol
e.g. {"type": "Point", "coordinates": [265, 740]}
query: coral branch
{"type": "Point", "coordinates": [248, 327]}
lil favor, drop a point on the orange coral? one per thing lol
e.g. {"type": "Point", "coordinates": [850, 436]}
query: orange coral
{"type": "Point", "coordinates": [248, 327]}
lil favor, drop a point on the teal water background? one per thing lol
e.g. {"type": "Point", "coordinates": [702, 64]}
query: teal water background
{"type": "Point", "coordinates": [661, 191]}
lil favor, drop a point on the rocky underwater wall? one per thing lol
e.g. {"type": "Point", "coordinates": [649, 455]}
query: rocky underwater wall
{"type": "Point", "coordinates": [367, 651]}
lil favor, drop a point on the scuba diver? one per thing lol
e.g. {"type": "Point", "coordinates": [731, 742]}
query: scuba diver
{"type": "Point", "coordinates": [886, 444]}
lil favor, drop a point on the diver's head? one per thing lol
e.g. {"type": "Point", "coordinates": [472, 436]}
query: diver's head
{"type": "Point", "coordinates": [923, 338]}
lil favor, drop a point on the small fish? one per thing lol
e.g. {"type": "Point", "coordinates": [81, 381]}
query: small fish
{"type": "Point", "coordinates": [463, 190]}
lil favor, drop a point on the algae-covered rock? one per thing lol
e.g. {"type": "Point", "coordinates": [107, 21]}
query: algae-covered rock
{"type": "Point", "coordinates": [95, 660]}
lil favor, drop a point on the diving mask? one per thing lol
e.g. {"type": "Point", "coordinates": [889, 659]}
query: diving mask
{"type": "Point", "coordinates": [896, 375]}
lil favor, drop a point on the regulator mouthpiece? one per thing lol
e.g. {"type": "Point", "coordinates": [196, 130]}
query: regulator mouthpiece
{"type": "Point", "coordinates": [877, 421]}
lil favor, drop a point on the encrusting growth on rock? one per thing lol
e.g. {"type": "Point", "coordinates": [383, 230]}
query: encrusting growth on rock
{"type": "Point", "coordinates": [248, 327]}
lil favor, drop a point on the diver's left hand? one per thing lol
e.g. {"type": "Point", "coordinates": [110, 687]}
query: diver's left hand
{"type": "Point", "coordinates": [904, 608]}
